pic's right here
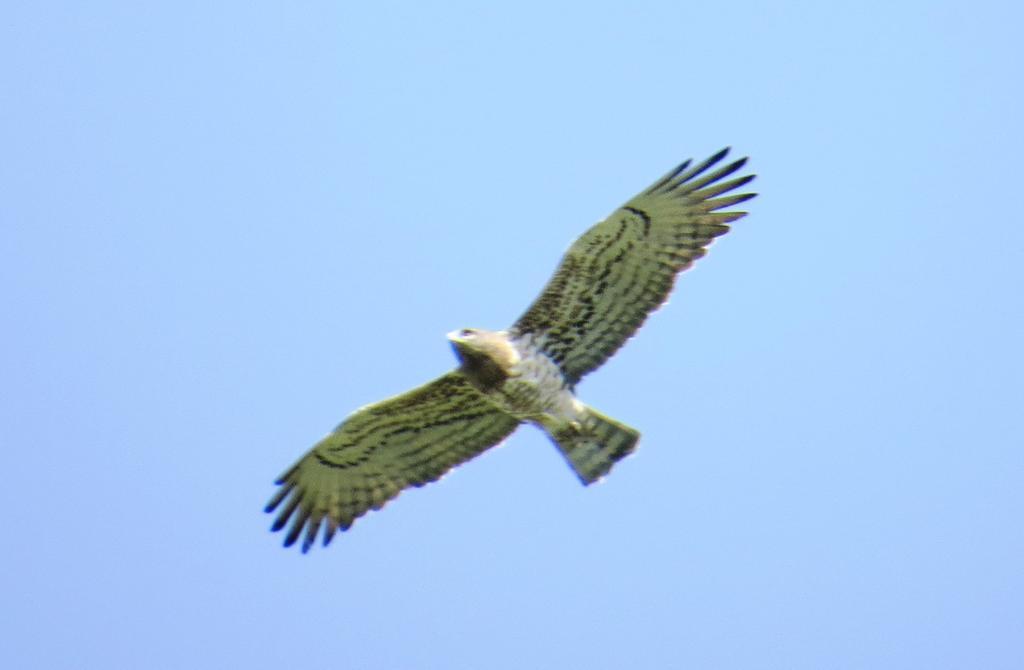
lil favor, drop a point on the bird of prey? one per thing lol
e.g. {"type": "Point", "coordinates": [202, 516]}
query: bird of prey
{"type": "Point", "coordinates": [607, 283]}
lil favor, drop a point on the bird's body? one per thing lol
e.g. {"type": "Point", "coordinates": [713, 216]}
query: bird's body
{"type": "Point", "coordinates": [519, 378]}
{"type": "Point", "coordinates": [514, 374]}
{"type": "Point", "coordinates": [608, 282]}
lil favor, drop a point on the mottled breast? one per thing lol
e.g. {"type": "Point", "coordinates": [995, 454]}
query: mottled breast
{"type": "Point", "coordinates": [536, 385]}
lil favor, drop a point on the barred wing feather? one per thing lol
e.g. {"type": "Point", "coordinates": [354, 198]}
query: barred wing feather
{"type": "Point", "coordinates": [381, 449]}
{"type": "Point", "coordinates": [624, 267]}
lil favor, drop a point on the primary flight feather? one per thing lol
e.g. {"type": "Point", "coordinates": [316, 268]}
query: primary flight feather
{"type": "Point", "coordinates": [606, 285]}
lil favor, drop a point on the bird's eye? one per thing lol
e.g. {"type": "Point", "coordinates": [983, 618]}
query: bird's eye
{"type": "Point", "coordinates": [466, 332]}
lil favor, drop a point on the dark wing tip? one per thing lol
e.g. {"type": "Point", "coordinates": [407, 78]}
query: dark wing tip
{"type": "Point", "coordinates": [286, 512]}
{"type": "Point", "coordinates": [312, 528]}
{"type": "Point", "coordinates": [691, 176]}
{"type": "Point", "coordinates": [296, 528]}
{"type": "Point", "coordinates": [283, 479]}
{"type": "Point", "coordinates": [305, 522]}
{"type": "Point", "coordinates": [667, 179]}
{"type": "Point", "coordinates": [738, 163]}
{"type": "Point", "coordinates": [729, 217]}
{"type": "Point", "coordinates": [720, 155]}
{"type": "Point", "coordinates": [278, 496]}
{"type": "Point", "coordinates": [728, 201]}
{"type": "Point", "coordinates": [684, 173]}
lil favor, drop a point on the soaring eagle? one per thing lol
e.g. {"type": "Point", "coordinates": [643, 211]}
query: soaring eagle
{"type": "Point", "coordinates": [607, 283]}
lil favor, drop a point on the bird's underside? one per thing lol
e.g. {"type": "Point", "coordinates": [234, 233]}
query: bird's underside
{"type": "Point", "coordinates": [606, 285]}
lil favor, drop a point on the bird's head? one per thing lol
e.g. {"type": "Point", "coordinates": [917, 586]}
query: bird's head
{"type": "Point", "coordinates": [486, 356]}
{"type": "Point", "coordinates": [465, 342]}
{"type": "Point", "coordinates": [463, 334]}
{"type": "Point", "coordinates": [474, 346]}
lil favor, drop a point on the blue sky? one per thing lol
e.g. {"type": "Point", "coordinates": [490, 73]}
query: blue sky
{"type": "Point", "coordinates": [226, 225]}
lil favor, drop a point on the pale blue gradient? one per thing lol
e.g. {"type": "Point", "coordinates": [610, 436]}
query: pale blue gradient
{"type": "Point", "coordinates": [224, 226]}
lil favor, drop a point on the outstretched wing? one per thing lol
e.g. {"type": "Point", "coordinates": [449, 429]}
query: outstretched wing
{"type": "Point", "coordinates": [624, 267]}
{"type": "Point", "coordinates": [408, 440]}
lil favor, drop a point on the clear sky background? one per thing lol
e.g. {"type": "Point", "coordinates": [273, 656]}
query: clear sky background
{"type": "Point", "coordinates": [224, 226]}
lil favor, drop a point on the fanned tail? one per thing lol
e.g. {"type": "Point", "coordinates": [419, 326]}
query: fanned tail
{"type": "Point", "coordinates": [595, 444]}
